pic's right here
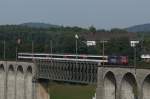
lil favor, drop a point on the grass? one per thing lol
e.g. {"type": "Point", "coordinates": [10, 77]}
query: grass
{"type": "Point", "coordinates": [142, 64]}
{"type": "Point", "coordinates": [71, 91]}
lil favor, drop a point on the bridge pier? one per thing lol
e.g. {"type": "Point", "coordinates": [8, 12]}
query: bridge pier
{"type": "Point", "coordinates": [42, 89]}
{"type": "Point", "coordinates": [146, 88]}
{"type": "Point", "coordinates": [100, 87]}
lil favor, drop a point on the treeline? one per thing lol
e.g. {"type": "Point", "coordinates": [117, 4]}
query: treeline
{"type": "Point", "coordinates": [61, 39]}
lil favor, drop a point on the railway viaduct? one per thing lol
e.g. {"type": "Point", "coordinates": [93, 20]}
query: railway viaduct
{"type": "Point", "coordinates": [16, 80]}
{"type": "Point", "coordinates": [123, 83]}
{"type": "Point", "coordinates": [24, 80]}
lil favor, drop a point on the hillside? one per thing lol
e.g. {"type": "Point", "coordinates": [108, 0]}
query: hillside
{"type": "Point", "coordinates": [63, 40]}
{"type": "Point", "coordinates": [38, 25]}
{"type": "Point", "coordinates": [139, 28]}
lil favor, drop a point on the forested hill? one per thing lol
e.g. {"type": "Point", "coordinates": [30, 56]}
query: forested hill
{"type": "Point", "coordinates": [62, 37]}
{"type": "Point", "coordinates": [38, 25]}
{"type": "Point", "coordinates": [63, 40]}
{"type": "Point", "coordinates": [139, 28]}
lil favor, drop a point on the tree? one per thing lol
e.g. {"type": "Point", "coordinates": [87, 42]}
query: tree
{"type": "Point", "coordinates": [119, 47]}
{"type": "Point", "coordinates": [92, 29]}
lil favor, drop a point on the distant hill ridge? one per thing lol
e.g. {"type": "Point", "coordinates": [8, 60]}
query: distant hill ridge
{"type": "Point", "coordinates": [38, 25]}
{"type": "Point", "coordinates": [135, 28]}
{"type": "Point", "coordinates": [139, 28]}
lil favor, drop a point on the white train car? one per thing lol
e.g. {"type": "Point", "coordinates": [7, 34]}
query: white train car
{"type": "Point", "coordinates": [69, 57]}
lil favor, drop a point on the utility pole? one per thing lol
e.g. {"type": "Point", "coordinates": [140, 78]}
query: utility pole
{"type": "Point", "coordinates": [103, 52]}
{"type": "Point", "coordinates": [18, 43]}
{"type": "Point", "coordinates": [51, 51]}
{"type": "Point", "coordinates": [4, 52]}
{"type": "Point", "coordinates": [32, 49]}
{"type": "Point", "coordinates": [135, 56]}
{"type": "Point", "coordinates": [16, 52]}
{"type": "Point", "coordinates": [76, 36]}
{"type": "Point", "coordinates": [51, 47]}
{"type": "Point", "coordinates": [133, 44]}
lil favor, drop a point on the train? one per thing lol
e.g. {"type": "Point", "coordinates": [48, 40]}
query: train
{"type": "Point", "coordinates": [118, 60]}
{"type": "Point", "coordinates": [106, 59]}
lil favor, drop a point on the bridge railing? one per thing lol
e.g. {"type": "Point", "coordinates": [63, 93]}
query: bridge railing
{"type": "Point", "coordinates": [69, 71]}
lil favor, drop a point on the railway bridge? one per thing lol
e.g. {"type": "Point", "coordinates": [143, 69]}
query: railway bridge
{"type": "Point", "coordinates": [113, 82]}
{"type": "Point", "coordinates": [25, 80]}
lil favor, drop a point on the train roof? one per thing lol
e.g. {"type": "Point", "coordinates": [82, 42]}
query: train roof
{"type": "Point", "coordinates": [47, 54]}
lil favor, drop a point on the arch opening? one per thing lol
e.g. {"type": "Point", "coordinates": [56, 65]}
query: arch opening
{"type": "Point", "coordinates": [20, 83]}
{"type": "Point", "coordinates": [28, 83]}
{"type": "Point", "coordinates": [1, 68]}
{"type": "Point", "coordinates": [129, 88]}
{"type": "Point", "coordinates": [29, 69]}
{"type": "Point", "coordinates": [20, 69]}
{"type": "Point", "coordinates": [11, 68]}
{"type": "Point", "coordinates": [146, 88]}
{"type": "Point", "coordinates": [109, 86]}
{"type": "Point", "coordinates": [11, 83]}
{"type": "Point", "coordinates": [2, 82]}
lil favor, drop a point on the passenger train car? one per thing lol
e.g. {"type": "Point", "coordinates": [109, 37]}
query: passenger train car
{"type": "Point", "coordinates": [72, 57]}
{"type": "Point", "coordinates": [109, 60]}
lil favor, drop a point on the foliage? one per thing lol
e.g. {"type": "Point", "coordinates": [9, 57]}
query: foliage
{"type": "Point", "coordinates": [118, 47]}
{"type": "Point", "coordinates": [92, 29]}
{"type": "Point", "coordinates": [63, 41]}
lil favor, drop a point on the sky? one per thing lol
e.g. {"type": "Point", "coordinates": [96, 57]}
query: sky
{"type": "Point", "coordinates": [103, 14]}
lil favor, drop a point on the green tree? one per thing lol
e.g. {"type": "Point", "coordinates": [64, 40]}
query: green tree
{"type": "Point", "coordinates": [92, 29]}
{"type": "Point", "coordinates": [119, 47]}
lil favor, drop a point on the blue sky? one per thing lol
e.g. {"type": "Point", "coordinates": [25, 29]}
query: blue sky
{"type": "Point", "coordinates": [100, 13]}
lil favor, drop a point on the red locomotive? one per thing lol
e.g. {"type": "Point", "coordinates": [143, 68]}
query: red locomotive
{"type": "Point", "coordinates": [118, 60]}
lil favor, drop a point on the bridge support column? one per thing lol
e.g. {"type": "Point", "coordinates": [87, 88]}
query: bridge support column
{"type": "Point", "coordinates": [100, 84]}
{"type": "Point", "coordinates": [42, 90]}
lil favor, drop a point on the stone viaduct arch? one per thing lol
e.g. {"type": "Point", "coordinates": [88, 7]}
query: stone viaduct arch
{"type": "Point", "coordinates": [20, 83]}
{"type": "Point", "coordinates": [2, 81]}
{"type": "Point", "coordinates": [14, 78]}
{"type": "Point", "coordinates": [109, 86]}
{"type": "Point", "coordinates": [11, 82]}
{"type": "Point", "coordinates": [146, 88]}
{"type": "Point", "coordinates": [123, 83]}
{"type": "Point", "coordinates": [18, 80]}
{"type": "Point", "coordinates": [128, 89]}
{"type": "Point", "coordinates": [28, 83]}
